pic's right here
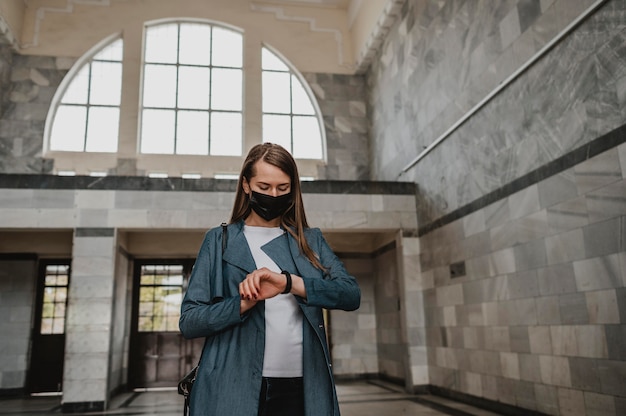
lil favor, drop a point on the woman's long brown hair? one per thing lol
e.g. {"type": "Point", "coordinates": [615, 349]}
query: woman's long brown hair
{"type": "Point", "coordinates": [294, 219]}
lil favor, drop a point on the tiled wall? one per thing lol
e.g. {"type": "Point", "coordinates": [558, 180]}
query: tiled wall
{"type": "Point", "coordinates": [389, 325]}
{"type": "Point", "coordinates": [518, 201]}
{"type": "Point", "coordinates": [538, 320]}
{"type": "Point", "coordinates": [353, 334]}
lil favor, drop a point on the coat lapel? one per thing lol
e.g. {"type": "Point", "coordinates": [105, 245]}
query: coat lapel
{"type": "Point", "coordinates": [283, 250]}
{"type": "Point", "coordinates": [237, 251]}
{"type": "Point", "coordinates": [278, 250]}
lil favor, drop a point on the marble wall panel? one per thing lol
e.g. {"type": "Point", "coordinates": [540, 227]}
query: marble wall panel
{"type": "Point", "coordinates": [524, 127]}
{"type": "Point", "coordinates": [549, 304]}
{"type": "Point", "coordinates": [17, 291]}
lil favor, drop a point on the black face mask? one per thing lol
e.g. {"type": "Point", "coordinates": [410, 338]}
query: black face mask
{"type": "Point", "coordinates": [269, 207]}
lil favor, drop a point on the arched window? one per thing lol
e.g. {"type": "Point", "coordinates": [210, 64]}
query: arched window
{"type": "Point", "coordinates": [191, 99]}
{"type": "Point", "coordinates": [192, 95]}
{"type": "Point", "coordinates": [86, 117]}
{"type": "Point", "coordinates": [290, 117]}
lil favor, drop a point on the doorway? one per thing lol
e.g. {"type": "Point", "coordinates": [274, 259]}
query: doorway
{"type": "Point", "coordinates": [48, 342]}
{"type": "Point", "coordinates": [159, 355]}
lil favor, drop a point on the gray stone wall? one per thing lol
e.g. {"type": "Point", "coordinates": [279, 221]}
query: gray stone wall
{"type": "Point", "coordinates": [353, 334]}
{"type": "Point", "coordinates": [18, 282]}
{"type": "Point", "coordinates": [392, 352]}
{"type": "Point", "coordinates": [6, 60]}
{"type": "Point", "coordinates": [33, 82]}
{"type": "Point", "coordinates": [537, 318]}
{"type": "Point", "coordinates": [342, 101]}
{"type": "Point", "coordinates": [441, 61]}
{"type": "Point", "coordinates": [522, 265]}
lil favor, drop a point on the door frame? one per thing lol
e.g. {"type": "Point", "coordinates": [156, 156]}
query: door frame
{"type": "Point", "coordinates": [37, 338]}
{"type": "Point", "coordinates": [187, 351]}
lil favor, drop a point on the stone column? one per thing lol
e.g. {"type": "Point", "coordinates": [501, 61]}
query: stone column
{"type": "Point", "coordinates": [88, 331]}
{"type": "Point", "coordinates": [412, 284]}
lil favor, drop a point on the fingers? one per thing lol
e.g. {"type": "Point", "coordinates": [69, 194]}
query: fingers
{"type": "Point", "coordinates": [249, 288]}
{"type": "Point", "coordinates": [260, 284]}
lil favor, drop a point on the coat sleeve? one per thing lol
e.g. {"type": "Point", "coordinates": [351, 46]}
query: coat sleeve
{"type": "Point", "coordinates": [206, 309]}
{"type": "Point", "coordinates": [337, 289]}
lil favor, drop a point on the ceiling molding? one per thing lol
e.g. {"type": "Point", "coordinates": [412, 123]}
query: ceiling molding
{"type": "Point", "coordinates": [41, 12]}
{"type": "Point", "coordinates": [279, 14]}
{"type": "Point", "coordinates": [379, 33]}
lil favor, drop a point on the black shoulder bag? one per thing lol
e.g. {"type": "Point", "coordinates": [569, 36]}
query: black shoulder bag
{"type": "Point", "coordinates": [185, 385]}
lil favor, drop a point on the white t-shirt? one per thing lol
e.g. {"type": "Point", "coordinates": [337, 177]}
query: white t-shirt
{"type": "Point", "coordinates": [283, 317]}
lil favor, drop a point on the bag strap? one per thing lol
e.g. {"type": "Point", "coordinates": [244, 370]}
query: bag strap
{"type": "Point", "coordinates": [224, 236]}
{"type": "Point", "coordinates": [217, 299]}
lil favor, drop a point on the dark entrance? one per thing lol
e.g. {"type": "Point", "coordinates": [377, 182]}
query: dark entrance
{"type": "Point", "coordinates": [48, 348]}
{"type": "Point", "coordinates": [159, 355]}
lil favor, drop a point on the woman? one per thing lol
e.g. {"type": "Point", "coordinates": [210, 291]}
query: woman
{"type": "Point", "coordinates": [258, 301]}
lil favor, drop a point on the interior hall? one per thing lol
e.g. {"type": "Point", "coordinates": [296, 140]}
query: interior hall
{"type": "Point", "coordinates": [465, 159]}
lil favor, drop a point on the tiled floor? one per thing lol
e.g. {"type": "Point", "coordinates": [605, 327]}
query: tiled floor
{"type": "Point", "coordinates": [355, 399]}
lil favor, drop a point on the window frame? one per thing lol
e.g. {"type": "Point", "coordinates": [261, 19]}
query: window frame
{"type": "Point", "coordinates": [57, 98]}
{"type": "Point", "coordinates": [307, 89]}
{"type": "Point", "coordinates": [176, 108]}
{"type": "Point", "coordinates": [141, 165]}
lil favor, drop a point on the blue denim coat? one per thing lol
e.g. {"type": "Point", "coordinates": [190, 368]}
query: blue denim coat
{"type": "Point", "coordinates": [229, 377]}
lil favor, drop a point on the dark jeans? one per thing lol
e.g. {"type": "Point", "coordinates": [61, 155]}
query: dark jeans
{"type": "Point", "coordinates": [281, 397]}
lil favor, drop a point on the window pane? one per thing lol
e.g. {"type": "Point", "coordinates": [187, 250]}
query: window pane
{"type": "Point", "coordinates": [106, 83]}
{"type": "Point", "coordinates": [226, 134]}
{"type": "Point", "coordinates": [307, 143]}
{"type": "Point", "coordinates": [60, 295]}
{"type": "Point", "coordinates": [146, 294]}
{"type": "Point", "coordinates": [192, 133]}
{"type": "Point", "coordinates": [102, 132]}
{"type": "Point", "coordinates": [159, 86]}
{"type": "Point", "coordinates": [301, 103]}
{"type": "Point", "coordinates": [46, 326]}
{"type": "Point", "coordinates": [113, 52]}
{"type": "Point", "coordinates": [48, 310]}
{"type": "Point", "coordinates": [195, 44]}
{"type": "Point", "coordinates": [145, 324]}
{"type": "Point", "coordinates": [50, 280]}
{"type": "Point", "coordinates": [226, 91]}
{"type": "Point", "coordinates": [227, 48]}
{"type": "Point", "coordinates": [159, 306]}
{"type": "Point", "coordinates": [146, 279]}
{"type": "Point", "coordinates": [162, 43]}
{"type": "Point", "coordinates": [62, 279]}
{"type": "Point", "coordinates": [276, 92]}
{"type": "Point", "coordinates": [176, 279]}
{"type": "Point", "coordinates": [145, 308]}
{"type": "Point", "coordinates": [59, 310]}
{"type": "Point", "coordinates": [269, 61]}
{"type": "Point", "coordinates": [58, 325]}
{"type": "Point", "coordinates": [77, 91]}
{"type": "Point", "coordinates": [277, 129]}
{"type": "Point", "coordinates": [157, 131]}
{"type": "Point", "coordinates": [193, 87]}
{"type": "Point", "coordinates": [68, 130]}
